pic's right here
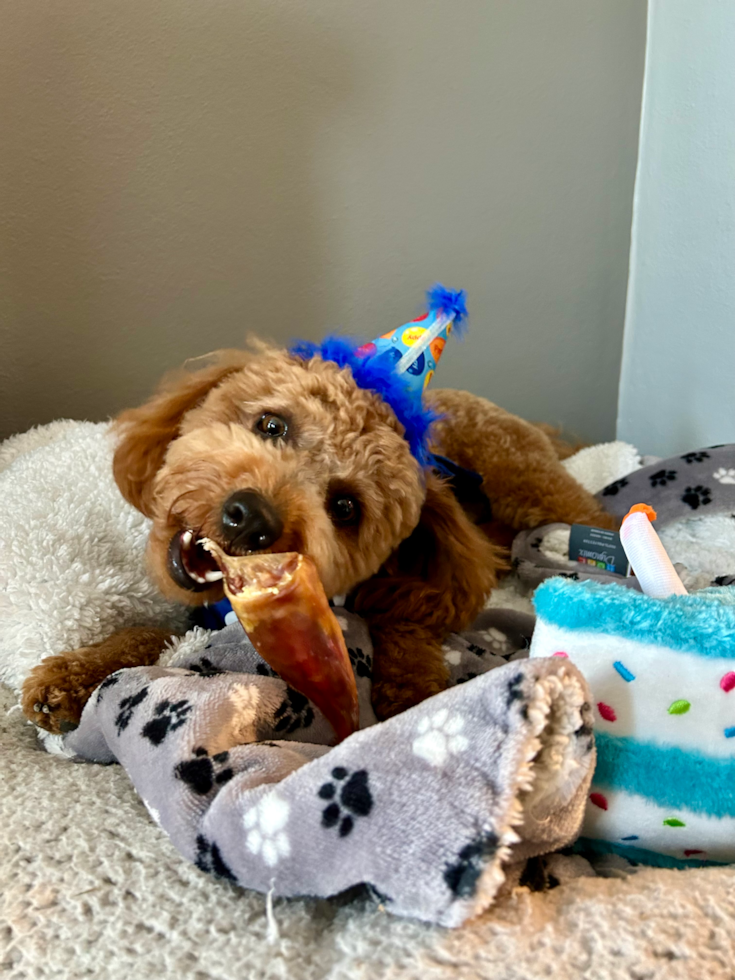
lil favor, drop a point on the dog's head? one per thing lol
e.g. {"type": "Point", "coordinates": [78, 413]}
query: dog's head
{"type": "Point", "coordinates": [269, 451]}
{"type": "Point", "coordinates": [266, 451]}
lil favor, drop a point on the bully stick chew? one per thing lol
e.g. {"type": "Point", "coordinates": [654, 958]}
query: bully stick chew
{"type": "Point", "coordinates": [281, 605]}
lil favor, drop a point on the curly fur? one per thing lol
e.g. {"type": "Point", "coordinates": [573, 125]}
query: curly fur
{"type": "Point", "coordinates": [416, 567]}
{"type": "Point", "coordinates": [376, 373]}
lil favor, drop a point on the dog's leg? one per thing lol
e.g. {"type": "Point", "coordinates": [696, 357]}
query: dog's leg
{"type": "Point", "coordinates": [522, 475]}
{"type": "Point", "coordinates": [408, 667]}
{"type": "Point", "coordinates": [56, 691]}
{"type": "Point", "coordinates": [434, 584]}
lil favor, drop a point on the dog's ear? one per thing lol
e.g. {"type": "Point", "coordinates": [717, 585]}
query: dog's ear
{"type": "Point", "coordinates": [440, 576]}
{"type": "Point", "coordinates": [144, 433]}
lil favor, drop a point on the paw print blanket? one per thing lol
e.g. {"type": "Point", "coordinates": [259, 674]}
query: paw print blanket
{"type": "Point", "coordinates": [697, 482]}
{"type": "Point", "coordinates": [427, 809]}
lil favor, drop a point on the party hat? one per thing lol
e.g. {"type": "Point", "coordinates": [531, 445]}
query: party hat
{"type": "Point", "coordinates": [398, 365]}
{"type": "Point", "coordinates": [415, 347]}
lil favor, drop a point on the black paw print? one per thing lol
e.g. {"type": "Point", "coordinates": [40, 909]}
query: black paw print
{"type": "Point", "coordinates": [536, 544]}
{"type": "Point", "coordinates": [354, 795]}
{"type": "Point", "coordinates": [360, 662]}
{"type": "Point", "coordinates": [200, 773]}
{"type": "Point", "coordinates": [293, 713]}
{"type": "Point", "coordinates": [461, 877]}
{"type": "Point", "coordinates": [515, 564]}
{"type": "Point", "coordinates": [694, 496]}
{"type": "Point", "coordinates": [662, 477]}
{"type": "Point", "coordinates": [168, 716]}
{"type": "Point", "coordinates": [724, 580]}
{"type": "Point", "coordinates": [205, 668]}
{"type": "Point", "coordinates": [574, 576]}
{"type": "Point", "coordinates": [127, 707]}
{"type": "Point", "coordinates": [697, 457]}
{"type": "Point", "coordinates": [478, 651]}
{"type": "Point", "coordinates": [264, 670]}
{"type": "Point", "coordinates": [210, 860]}
{"type": "Point", "coordinates": [514, 693]}
{"type": "Point", "coordinates": [612, 488]}
{"type": "Point", "coordinates": [467, 677]}
{"type": "Point", "coordinates": [514, 690]}
{"type": "Point", "coordinates": [107, 683]}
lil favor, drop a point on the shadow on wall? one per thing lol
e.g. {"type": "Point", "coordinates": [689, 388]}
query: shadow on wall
{"type": "Point", "coordinates": [157, 161]}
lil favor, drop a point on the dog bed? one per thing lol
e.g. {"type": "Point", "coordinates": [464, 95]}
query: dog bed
{"type": "Point", "coordinates": [92, 887]}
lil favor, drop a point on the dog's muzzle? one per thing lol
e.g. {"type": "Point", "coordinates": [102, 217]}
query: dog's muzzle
{"type": "Point", "coordinates": [189, 565]}
{"type": "Point", "coordinates": [249, 523]}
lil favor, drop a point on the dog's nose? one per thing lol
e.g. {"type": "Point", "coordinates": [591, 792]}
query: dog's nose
{"type": "Point", "coordinates": [249, 521]}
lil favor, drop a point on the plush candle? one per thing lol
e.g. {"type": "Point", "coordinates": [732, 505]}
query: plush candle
{"type": "Point", "coordinates": [651, 565]}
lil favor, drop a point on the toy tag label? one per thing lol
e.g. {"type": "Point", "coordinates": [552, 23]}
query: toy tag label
{"type": "Point", "coordinates": [597, 547]}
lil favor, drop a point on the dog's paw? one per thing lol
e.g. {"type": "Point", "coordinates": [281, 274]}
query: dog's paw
{"type": "Point", "coordinates": [54, 695]}
{"type": "Point", "coordinates": [49, 707]}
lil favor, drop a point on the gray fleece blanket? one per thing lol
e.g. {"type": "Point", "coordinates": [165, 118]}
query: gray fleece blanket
{"type": "Point", "coordinates": [426, 810]}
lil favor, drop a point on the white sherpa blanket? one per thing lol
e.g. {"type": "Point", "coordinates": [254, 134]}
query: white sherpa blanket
{"type": "Point", "coordinates": [91, 887]}
{"type": "Point", "coordinates": [71, 549]}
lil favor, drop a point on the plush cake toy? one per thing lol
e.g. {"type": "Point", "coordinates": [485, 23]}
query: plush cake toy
{"type": "Point", "coordinates": [661, 667]}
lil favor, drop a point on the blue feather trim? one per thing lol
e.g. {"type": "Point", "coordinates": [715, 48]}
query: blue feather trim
{"type": "Point", "coordinates": [376, 374]}
{"type": "Point", "coordinates": [452, 302]}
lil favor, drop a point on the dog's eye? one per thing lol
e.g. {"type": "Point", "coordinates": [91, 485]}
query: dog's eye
{"type": "Point", "coordinates": [272, 426]}
{"type": "Point", "coordinates": [344, 510]}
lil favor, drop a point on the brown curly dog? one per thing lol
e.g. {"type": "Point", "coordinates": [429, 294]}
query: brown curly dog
{"type": "Point", "coordinates": [265, 451]}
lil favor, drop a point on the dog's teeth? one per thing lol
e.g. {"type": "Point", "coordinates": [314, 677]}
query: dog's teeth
{"type": "Point", "coordinates": [186, 538]}
{"type": "Point", "coordinates": [213, 576]}
{"type": "Point", "coordinates": [197, 577]}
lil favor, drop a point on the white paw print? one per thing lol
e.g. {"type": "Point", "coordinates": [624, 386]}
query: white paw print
{"type": "Point", "coordinates": [265, 823]}
{"type": "Point", "coordinates": [495, 637]}
{"type": "Point", "coordinates": [724, 476]}
{"type": "Point", "coordinates": [439, 737]}
{"type": "Point", "coordinates": [451, 655]}
{"type": "Point", "coordinates": [496, 640]}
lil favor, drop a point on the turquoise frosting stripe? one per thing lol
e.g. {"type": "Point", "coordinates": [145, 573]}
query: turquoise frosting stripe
{"type": "Point", "coordinates": [638, 855]}
{"type": "Point", "coordinates": [703, 623]}
{"type": "Point", "coordinates": [667, 775]}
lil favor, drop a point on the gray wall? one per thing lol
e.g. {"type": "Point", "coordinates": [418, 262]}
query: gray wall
{"type": "Point", "coordinates": [175, 174]}
{"type": "Point", "coordinates": [677, 388]}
